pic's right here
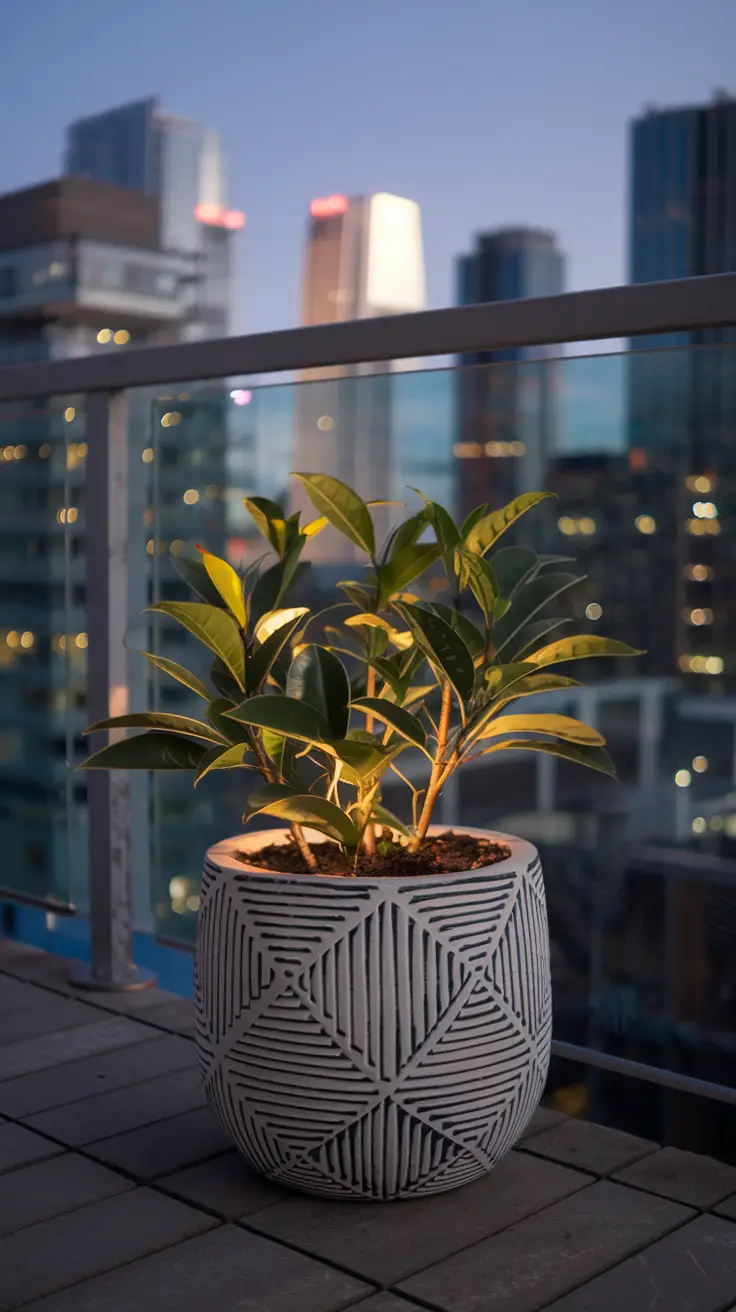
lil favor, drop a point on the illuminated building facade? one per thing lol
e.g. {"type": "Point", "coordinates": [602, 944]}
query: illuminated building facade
{"type": "Point", "coordinates": [363, 260]}
{"type": "Point", "coordinates": [506, 399]}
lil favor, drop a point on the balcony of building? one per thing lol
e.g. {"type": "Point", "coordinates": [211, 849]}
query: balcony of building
{"type": "Point", "coordinates": [623, 1192]}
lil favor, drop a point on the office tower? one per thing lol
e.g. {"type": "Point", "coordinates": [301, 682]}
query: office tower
{"type": "Point", "coordinates": [363, 259]}
{"type": "Point", "coordinates": [505, 399]}
{"type": "Point", "coordinates": [139, 147]}
{"type": "Point", "coordinates": [682, 387]}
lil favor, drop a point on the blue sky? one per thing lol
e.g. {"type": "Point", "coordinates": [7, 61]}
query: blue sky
{"type": "Point", "coordinates": [486, 112]}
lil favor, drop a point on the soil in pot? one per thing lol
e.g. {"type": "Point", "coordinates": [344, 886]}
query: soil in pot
{"type": "Point", "coordinates": [442, 854]}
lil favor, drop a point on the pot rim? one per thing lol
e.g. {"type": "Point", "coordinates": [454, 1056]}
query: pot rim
{"type": "Point", "coordinates": [220, 854]}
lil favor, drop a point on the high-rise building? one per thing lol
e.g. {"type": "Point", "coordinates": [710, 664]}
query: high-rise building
{"type": "Point", "coordinates": [506, 403]}
{"type": "Point", "coordinates": [179, 163]}
{"type": "Point", "coordinates": [363, 259]}
{"type": "Point", "coordinates": [682, 387]}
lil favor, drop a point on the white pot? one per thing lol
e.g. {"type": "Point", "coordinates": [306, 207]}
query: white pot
{"type": "Point", "coordinates": [373, 1038]}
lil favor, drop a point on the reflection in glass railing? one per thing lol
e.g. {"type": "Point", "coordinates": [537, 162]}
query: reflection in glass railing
{"type": "Point", "coordinates": [43, 641]}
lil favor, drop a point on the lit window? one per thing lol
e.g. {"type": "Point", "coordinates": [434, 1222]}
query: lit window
{"type": "Point", "coordinates": [699, 824]}
{"type": "Point", "coordinates": [12, 638]}
{"type": "Point", "coordinates": [705, 510]}
{"type": "Point", "coordinates": [193, 903]}
{"type": "Point", "coordinates": [211, 491]}
{"type": "Point", "coordinates": [566, 525]}
{"type": "Point", "coordinates": [467, 450]}
{"type": "Point", "coordinates": [717, 822]}
{"type": "Point", "coordinates": [698, 616]}
{"type": "Point", "coordinates": [646, 524]}
{"type": "Point", "coordinates": [147, 455]}
{"type": "Point", "coordinates": [518, 449]}
{"type": "Point", "coordinates": [150, 546]}
{"type": "Point", "coordinates": [81, 641]}
{"type": "Point", "coordinates": [698, 573]}
{"type": "Point", "coordinates": [26, 639]}
{"type": "Point", "coordinates": [240, 396]}
{"type": "Point", "coordinates": [122, 337]}
{"type": "Point", "coordinates": [495, 448]}
{"type": "Point", "coordinates": [700, 764]}
{"type": "Point", "coordinates": [104, 336]}
{"type": "Point", "coordinates": [587, 526]}
{"type": "Point", "coordinates": [70, 414]}
{"type": "Point", "coordinates": [170, 419]}
{"type": "Point", "coordinates": [178, 887]}
{"type": "Point", "coordinates": [44, 451]}
{"type": "Point", "coordinates": [714, 665]}
{"type": "Point", "coordinates": [683, 778]}
{"type": "Point", "coordinates": [699, 483]}
{"type": "Point", "coordinates": [177, 547]}
{"type": "Point", "coordinates": [20, 452]}
{"type": "Point", "coordinates": [594, 611]}
{"type": "Point", "coordinates": [9, 453]}
{"type": "Point", "coordinates": [325, 423]}
{"type": "Point", "coordinates": [191, 497]}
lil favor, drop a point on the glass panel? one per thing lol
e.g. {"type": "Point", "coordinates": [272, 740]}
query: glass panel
{"type": "Point", "coordinates": [43, 643]}
{"type": "Point", "coordinates": [638, 449]}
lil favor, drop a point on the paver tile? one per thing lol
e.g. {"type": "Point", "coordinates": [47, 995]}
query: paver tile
{"type": "Point", "coordinates": [228, 1270]}
{"type": "Point", "coordinates": [108, 1114]}
{"type": "Point", "coordinates": [685, 1177]}
{"type": "Point", "coordinates": [16, 993]}
{"type": "Point", "coordinates": [590, 1147]}
{"type": "Point", "coordinates": [49, 1050]}
{"type": "Point", "coordinates": [177, 1017]}
{"type": "Point", "coordinates": [51, 1015]}
{"type": "Point", "coordinates": [692, 1270]}
{"type": "Point", "coordinates": [164, 1147]}
{"type": "Point", "coordinates": [384, 1242]}
{"type": "Point", "coordinates": [727, 1208]}
{"type": "Point", "coordinates": [57, 1185]}
{"type": "Point", "coordinates": [20, 1147]}
{"type": "Point", "coordinates": [75, 1080]}
{"type": "Point", "coordinates": [55, 1254]}
{"type": "Point", "coordinates": [543, 1119]}
{"type": "Point", "coordinates": [549, 1254]}
{"type": "Point", "coordinates": [225, 1185]}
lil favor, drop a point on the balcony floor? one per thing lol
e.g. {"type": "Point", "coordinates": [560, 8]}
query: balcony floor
{"type": "Point", "coordinates": [118, 1193]}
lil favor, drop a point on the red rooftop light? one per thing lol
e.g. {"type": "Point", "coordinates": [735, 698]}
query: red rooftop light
{"type": "Point", "coordinates": [219, 217]}
{"type": "Point", "coordinates": [325, 206]}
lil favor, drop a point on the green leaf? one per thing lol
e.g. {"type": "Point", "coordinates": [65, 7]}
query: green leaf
{"type": "Point", "coordinates": [271, 588]}
{"type": "Point", "coordinates": [475, 515]}
{"type": "Point", "coordinates": [179, 672]}
{"type": "Point", "coordinates": [478, 573]}
{"type": "Point", "coordinates": [343, 507]}
{"type": "Point", "coordinates": [227, 583]}
{"type": "Point", "coordinates": [405, 535]}
{"type": "Point", "coordinates": [395, 717]}
{"type": "Point", "coordinates": [443, 647]}
{"type": "Point", "coordinates": [315, 526]}
{"type": "Point", "coordinates": [270, 519]}
{"type": "Point", "coordinates": [217, 714]}
{"type": "Point", "coordinates": [282, 752]}
{"type": "Point", "coordinates": [213, 627]}
{"type": "Point", "coordinates": [403, 568]}
{"type": "Point", "coordinates": [303, 809]}
{"type": "Point", "coordinates": [264, 656]}
{"type": "Point", "coordinates": [381, 816]}
{"type": "Point", "coordinates": [556, 726]}
{"type": "Point", "coordinates": [275, 619]}
{"type": "Point", "coordinates": [445, 528]}
{"type": "Point", "coordinates": [509, 691]}
{"type": "Point", "coordinates": [359, 595]}
{"type": "Point", "coordinates": [513, 566]}
{"type": "Point", "coordinates": [148, 751]}
{"type": "Point", "coordinates": [196, 577]}
{"type": "Point", "coordinates": [362, 759]}
{"type": "Point", "coordinates": [225, 683]}
{"type": "Point", "coordinates": [579, 649]}
{"type": "Point", "coordinates": [595, 758]}
{"type": "Point", "coordinates": [223, 758]}
{"type": "Point", "coordinates": [488, 530]}
{"type": "Point", "coordinates": [158, 720]}
{"type": "Point", "coordinates": [531, 634]}
{"type": "Point", "coordinates": [318, 678]}
{"type": "Point", "coordinates": [284, 715]}
{"type": "Point", "coordinates": [527, 603]}
{"type": "Point", "coordinates": [471, 636]}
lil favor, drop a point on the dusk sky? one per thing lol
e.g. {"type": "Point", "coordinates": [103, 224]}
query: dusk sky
{"type": "Point", "coordinates": [485, 112]}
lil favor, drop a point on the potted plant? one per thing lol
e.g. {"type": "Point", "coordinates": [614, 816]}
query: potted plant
{"type": "Point", "coordinates": [373, 996]}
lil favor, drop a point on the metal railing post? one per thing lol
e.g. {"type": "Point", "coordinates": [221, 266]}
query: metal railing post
{"type": "Point", "coordinates": [108, 798]}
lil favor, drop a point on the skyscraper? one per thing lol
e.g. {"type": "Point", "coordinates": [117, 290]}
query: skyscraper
{"type": "Point", "coordinates": [363, 259]}
{"type": "Point", "coordinates": [506, 411]}
{"type": "Point", "coordinates": [682, 387]}
{"type": "Point", "coordinates": [139, 147]}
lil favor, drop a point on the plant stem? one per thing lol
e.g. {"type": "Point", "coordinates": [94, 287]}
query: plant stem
{"type": "Point", "coordinates": [438, 774]}
{"type": "Point", "coordinates": [369, 835]}
{"type": "Point", "coordinates": [269, 774]}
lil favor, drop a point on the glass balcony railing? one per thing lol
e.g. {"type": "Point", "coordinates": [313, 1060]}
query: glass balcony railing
{"type": "Point", "coordinates": [638, 448]}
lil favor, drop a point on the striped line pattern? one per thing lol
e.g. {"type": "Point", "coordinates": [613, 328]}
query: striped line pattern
{"type": "Point", "coordinates": [373, 1039]}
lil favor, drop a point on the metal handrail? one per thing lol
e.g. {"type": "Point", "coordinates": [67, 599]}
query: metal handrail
{"type": "Point", "coordinates": [686, 305]}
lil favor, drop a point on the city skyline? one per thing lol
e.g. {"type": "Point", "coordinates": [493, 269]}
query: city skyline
{"type": "Point", "coordinates": [513, 125]}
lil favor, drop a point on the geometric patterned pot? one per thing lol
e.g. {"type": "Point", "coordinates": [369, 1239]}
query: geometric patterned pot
{"type": "Point", "coordinates": [373, 1038]}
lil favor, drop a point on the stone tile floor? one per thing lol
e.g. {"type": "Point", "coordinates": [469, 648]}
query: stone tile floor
{"type": "Point", "coordinates": [118, 1193]}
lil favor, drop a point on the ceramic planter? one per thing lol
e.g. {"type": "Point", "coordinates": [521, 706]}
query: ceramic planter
{"type": "Point", "coordinates": [373, 1038]}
